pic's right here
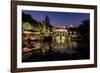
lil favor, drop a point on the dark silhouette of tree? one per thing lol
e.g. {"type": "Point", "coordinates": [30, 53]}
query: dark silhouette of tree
{"type": "Point", "coordinates": [47, 20]}
{"type": "Point", "coordinates": [84, 29]}
{"type": "Point", "coordinates": [28, 18]}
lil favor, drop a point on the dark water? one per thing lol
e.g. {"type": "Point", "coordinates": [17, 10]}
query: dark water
{"type": "Point", "coordinates": [55, 51]}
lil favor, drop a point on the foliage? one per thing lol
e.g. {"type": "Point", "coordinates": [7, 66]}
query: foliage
{"type": "Point", "coordinates": [84, 29]}
{"type": "Point", "coordinates": [43, 27]}
{"type": "Point", "coordinates": [26, 26]}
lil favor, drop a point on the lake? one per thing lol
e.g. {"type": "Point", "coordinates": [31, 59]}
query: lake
{"type": "Point", "coordinates": [57, 51]}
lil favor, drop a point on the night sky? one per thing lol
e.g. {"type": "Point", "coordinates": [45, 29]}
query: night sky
{"type": "Point", "coordinates": [59, 18]}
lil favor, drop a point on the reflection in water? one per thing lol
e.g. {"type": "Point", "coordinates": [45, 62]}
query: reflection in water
{"type": "Point", "coordinates": [60, 39]}
{"type": "Point", "coordinates": [60, 50]}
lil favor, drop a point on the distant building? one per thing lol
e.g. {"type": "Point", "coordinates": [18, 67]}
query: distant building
{"type": "Point", "coordinates": [59, 30]}
{"type": "Point", "coordinates": [64, 33]}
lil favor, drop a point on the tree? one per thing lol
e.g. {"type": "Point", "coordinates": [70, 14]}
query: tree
{"type": "Point", "coordinates": [46, 26]}
{"type": "Point", "coordinates": [47, 20]}
{"type": "Point", "coordinates": [43, 27]}
{"type": "Point", "coordinates": [26, 26]}
{"type": "Point", "coordinates": [84, 29]}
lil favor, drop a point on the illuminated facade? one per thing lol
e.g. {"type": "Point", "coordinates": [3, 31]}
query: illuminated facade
{"type": "Point", "coordinates": [61, 33]}
{"type": "Point", "coordinates": [31, 34]}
